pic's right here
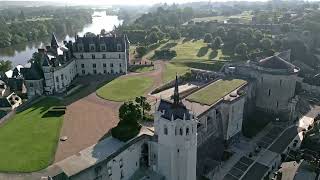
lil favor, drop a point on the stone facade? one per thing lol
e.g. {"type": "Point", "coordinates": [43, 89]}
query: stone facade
{"type": "Point", "coordinates": [88, 55]}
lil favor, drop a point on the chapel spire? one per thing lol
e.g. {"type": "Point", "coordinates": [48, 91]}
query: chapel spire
{"type": "Point", "coordinates": [176, 98]}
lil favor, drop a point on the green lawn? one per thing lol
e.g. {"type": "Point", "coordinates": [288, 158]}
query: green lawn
{"type": "Point", "coordinates": [28, 141]}
{"type": "Point", "coordinates": [215, 91]}
{"type": "Point", "coordinates": [244, 17]}
{"type": "Point", "coordinates": [125, 88]}
{"type": "Point", "coordinates": [171, 70]}
{"type": "Point", "coordinates": [192, 50]}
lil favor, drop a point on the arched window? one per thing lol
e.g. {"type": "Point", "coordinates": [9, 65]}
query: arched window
{"type": "Point", "coordinates": [181, 132]}
{"type": "Point", "coordinates": [187, 131]}
{"type": "Point", "coordinates": [165, 130]}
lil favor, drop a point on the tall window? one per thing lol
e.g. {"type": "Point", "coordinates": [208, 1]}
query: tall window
{"type": "Point", "coordinates": [280, 82]}
{"type": "Point", "coordinates": [82, 65]}
{"type": "Point", "coordinates": [103, 47]}
{"type": "Point", "coordinates": [118, 47]}
{"type": "Point", "coordinates": [165, 130]}
{"type": "Point", "coordinates": [93, 56]}
{"type": "Point", "coordinates": [94, 71]}
{"type": "Point", "coordinates": [94, 65]}
{"type": "Point", "coordinates": [81, 56]}
{"type": "Point", "coordinates": [104, 65]}
{"type": "Point", "coordinates": [104, 56]}
{"type": "Point", "coordinates": [57, 78]}
{"type": "Point", "coordinates": [83, 72]}
{"type": "Point", "coordinates": [269, 92]}
{"type": "Point", "coordinates": [92, 47]}
{"type": "Point", "coordinates": [119, 56]}
{"type": "Point", "coordinates": [181, 132]}
{"type": "Point", "coordinates": [111, 65]}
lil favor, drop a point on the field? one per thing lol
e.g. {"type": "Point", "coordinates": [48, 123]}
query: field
{"type": "Point", "coordinates": [215, 91]}
{"type": "Point", "coordinates": [28, 141]}
{"type": "Point", "coordinates": [125, 88]}
{"type": "Point", "coordinates": [244, 17]}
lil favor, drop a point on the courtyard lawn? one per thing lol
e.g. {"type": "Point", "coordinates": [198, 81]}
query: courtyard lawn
{"type": "Point", "coordinates": [172, 69]}
{"type": "Point", "coordinates": [215, 91]}
{"type": "Point", "coordinates": [125, 88]}
{"type": "Point", "coordinates": [28, 141]}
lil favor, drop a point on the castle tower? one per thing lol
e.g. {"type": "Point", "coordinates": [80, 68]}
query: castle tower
{"type": "Point", "coordinates": [54, 42]}
{"type": "Point", "coordinates": [176, 129]}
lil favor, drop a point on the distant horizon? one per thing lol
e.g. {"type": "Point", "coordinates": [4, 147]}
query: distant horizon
{"type": "Point", "coordinates": [128, 2]}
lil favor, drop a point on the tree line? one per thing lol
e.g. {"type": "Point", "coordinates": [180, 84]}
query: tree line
{"type": "Point", "coordinates": [27, 26]}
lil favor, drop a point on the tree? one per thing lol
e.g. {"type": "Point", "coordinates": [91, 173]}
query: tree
{"type": "Point", "coordinates": [258, 35]}
{"type": "Point", "coordinates": [175, 34]}
{"type": "Point", "coordinates": [276, 44]}
{"type": "Point", "coordinates": [21, 16]}
{"type": "Point", "coordinates": [143, 104]}
{"type": "Point", "coordinates": [285, 28]}
{"type": "Point", "coordinates": [5, 65]}
{"type": "Point", "coordinates": [152, 37]}
{"type": "Point", "coordinates": [89, 34]}
{"type": "Point", "coordinates": [207, 38]}
{"type": "Point", "coordinates": [129, 113]}
{"type": "Point", "coordinates": [141, 50]}
{"type": "Point", "coordinates": [103, 32]}
{"type": "Point", "coordinates": [266, 43]}
{"type": "Point", "coordinates": [241, 49]}
{"type": "Point", "coordinates": [221, 32]}
{"type": "Point", "coordinates": [217, 42]}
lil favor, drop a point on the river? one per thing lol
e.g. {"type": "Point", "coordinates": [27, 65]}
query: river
{"type": "Point", "coordinates": [20, 54]}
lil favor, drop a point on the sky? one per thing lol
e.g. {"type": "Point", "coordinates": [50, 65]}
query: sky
{"type": "Point", "coordinates": [124, 2]}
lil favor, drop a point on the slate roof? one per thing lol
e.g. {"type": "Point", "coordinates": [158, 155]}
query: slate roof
{"type": "Point", "coordinates": [110, 42]}
{"type": "Point", "coordinates": [169, 109]}
{"type": "Point", "coordinates": [31, 72]}
{"type": "Point", "coordinates": [54, 42]}
{"type": "Point", "coordinates": [4, 103]}
{"type": "Point", "coordinates": [284, 140]}
{"type": "Point", "coordinates": [256, 171]}
{"type": "Point", "coordinates": [15, 84]}
{"type": "Point", "coordinates": [276, 62]}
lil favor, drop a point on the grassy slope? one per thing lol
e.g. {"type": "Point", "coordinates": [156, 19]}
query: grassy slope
{"type": "Point", "coordinates": [28, 141]}
{"type": "Point", "coordinates": [142, 69]}
{"type": "Point", "coordinates": [125, 88]}
{"type": "Point", "coordinates": [212, 93]}
{"type": "Point", "coordinates": [190, 54]}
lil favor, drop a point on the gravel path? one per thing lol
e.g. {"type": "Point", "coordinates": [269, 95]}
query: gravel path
{"type": "Point", "coordinates": [90, 118]}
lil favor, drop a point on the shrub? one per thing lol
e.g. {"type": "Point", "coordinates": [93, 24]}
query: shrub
{"type": "Point", "coordinates": [165, 54]}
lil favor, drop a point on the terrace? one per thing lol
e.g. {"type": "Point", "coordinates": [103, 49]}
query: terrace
{"type": "Point", "coordinates": [214, 92]}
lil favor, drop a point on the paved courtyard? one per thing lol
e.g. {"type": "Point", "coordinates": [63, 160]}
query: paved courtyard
{"type": "Point", "coordinates": [89, 118]}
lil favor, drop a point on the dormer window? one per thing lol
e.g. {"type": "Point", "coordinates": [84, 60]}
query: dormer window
{"type": "Point", "coordinates": [92, 47]}
{"type": "Point", "coordinates": [118, 47]}
{"type": "Point", "coordinates": [80, 47]}
{"type": "Point", "coordinates": [103, 47]}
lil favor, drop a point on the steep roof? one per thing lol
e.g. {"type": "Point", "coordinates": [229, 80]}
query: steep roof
{"type": "Point", "coordinates": [276, 62]}
{"type": "Point", "coordinates": [109, 41]}
{"type": "Point", "coordinates": [31, 72]}
{"type": "Point", "coordinates": [169, 110]}
{"type": "Point", "coordinates": [54, 42]}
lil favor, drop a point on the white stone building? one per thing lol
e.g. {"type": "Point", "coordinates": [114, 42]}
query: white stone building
{"type": "Point", "coordinates": [88, 55]}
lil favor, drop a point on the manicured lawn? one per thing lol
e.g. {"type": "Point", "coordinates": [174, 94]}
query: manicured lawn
{"type": "Point", "coordinates": [215, 91]}
{"type": "Point", "coordinates": [171, 70]}
{"type": "Point", "coordinates": [192, 50]}
{"type": "Point", "coordinates": [28, 141]}
{"type": "Point", "coordinates": [125, 88]}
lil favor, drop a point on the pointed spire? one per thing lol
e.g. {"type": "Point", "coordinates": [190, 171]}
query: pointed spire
{"type": "Point", "coordinates": [176, 98]}
{"type": "Point", "coordinates": [54, 42]}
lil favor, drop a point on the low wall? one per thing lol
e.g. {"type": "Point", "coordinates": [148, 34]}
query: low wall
{"type": "Point", "coordinates": [7, 117]}
{"type": "Point", "coordinates": [29, 103]}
